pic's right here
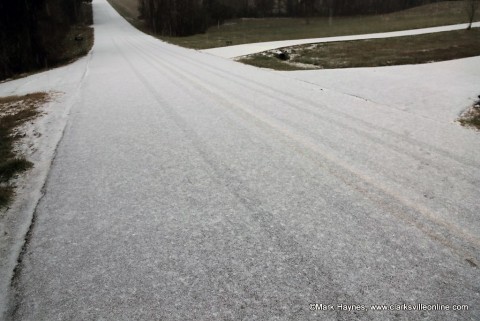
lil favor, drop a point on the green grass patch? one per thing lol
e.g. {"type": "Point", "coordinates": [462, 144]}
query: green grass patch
{"type": "Point", "coordinates": [240, 31]}
{"type": "Point", "coordinates": [14, 112]}
{"type": "Point", "coordinates": [375, 52]}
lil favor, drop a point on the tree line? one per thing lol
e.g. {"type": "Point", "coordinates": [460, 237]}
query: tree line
{"type": "Point", "coordinates": [32, 31]}
{"type": "Point", "coordinates": [188, 17]}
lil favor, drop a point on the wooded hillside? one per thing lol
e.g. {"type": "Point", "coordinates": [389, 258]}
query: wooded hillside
{"type": "Point", "coordinates": [32, 32]}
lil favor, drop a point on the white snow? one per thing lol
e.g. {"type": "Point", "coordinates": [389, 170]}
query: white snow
{"type": "Point", "coordinates": [251, 48]}
{"type": "Point", "coordinates": [39, 144]}
{"type": "Point", "coordinates": [191, 187]}
{"type": "Point", "coordinates": [438, 91]}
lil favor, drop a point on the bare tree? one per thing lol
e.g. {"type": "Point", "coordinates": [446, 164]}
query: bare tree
{"type": "Point", "coordinates": [471, 7]}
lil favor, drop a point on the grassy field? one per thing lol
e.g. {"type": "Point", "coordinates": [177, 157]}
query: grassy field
{"type": "Point", "coordinates": [14, 112]}
{"type": "Point", "coordinates": [241, 31]}
{"type": "Point", "coordinates": [388, 51]}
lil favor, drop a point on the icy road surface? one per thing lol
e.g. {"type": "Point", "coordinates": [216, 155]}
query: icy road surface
{"type": "Point", "coordinates": [190, 187]}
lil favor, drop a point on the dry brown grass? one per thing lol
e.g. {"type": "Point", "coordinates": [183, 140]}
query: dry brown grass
{"type": "Point", "coordinates": [14, 112]}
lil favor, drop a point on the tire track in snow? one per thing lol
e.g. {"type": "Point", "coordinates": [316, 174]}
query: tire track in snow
{"type": "Point", "coordinates": [446, 233]}
{"type": "Point", "coordinates": [296, 252]}
{"type": "Point", "coordinates": [396, 145]}
{"type": "Point", "coordinates": [247, 83]}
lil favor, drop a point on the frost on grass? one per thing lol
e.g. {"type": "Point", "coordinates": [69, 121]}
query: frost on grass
{"type": "Point", "coordinates": [15, 114]}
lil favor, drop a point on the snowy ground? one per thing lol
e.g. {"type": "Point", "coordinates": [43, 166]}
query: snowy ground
{"type": "Point", "coordinates": [437, 91]}
{"type": "Point", "coordinates": [251, 48]}
{"type": "Point", "coordinates": [42, 137]}
{"type": "Point", "coordinates": [191, 187]}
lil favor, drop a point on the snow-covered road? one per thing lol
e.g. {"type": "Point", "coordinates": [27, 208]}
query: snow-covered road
{"type": "Point", "coordinates": [191, 187]}
{"type": "Point", "coordinates": [252, 48]}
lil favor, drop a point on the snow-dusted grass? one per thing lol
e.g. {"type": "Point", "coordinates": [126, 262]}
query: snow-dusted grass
{"type": "Point", "coordinates": [388, 51]}
{"type": "Point", "coordinates": [14, 112]}
{"type": "Point", "coordinates": [471, 118]}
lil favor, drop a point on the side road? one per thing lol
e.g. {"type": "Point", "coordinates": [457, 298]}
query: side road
{"type": "Point", "coordinates": [251, 48]}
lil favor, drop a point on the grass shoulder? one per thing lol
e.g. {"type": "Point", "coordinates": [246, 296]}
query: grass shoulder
{"type": "Point", "coordinates": [374, 52]}
{"type": "Point", "coordinates": [15, 112]}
